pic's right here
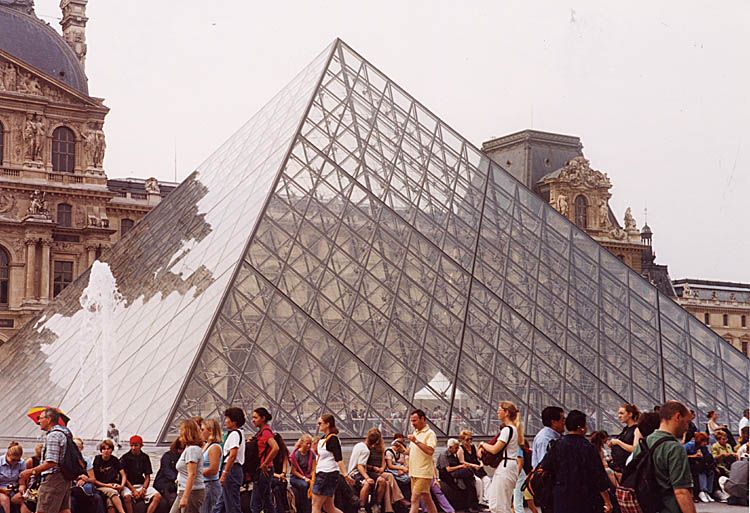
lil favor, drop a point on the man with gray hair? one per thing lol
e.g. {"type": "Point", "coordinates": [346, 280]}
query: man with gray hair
{"type": "Point", "coordinates": [457, 479]}
{"type": "Point", "coordinates": [54, 492]}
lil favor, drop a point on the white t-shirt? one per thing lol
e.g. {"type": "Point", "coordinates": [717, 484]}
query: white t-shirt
{"type": "Point", "coordinates": [360, 455]}
{"type": "Point", "coordinates": [511, 447]}
{"type": "Point", "coordinates": [235, 439]}
{"type": "Point", "coordinates": [744, 421]}
{"type": "Point", "coordinates": [329, 454]}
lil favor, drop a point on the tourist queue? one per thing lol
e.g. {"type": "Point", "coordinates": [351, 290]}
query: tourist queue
{"type": "Point", "coordinates": [564, 470]}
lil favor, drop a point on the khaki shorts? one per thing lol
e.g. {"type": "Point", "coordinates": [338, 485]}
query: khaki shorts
{"type": "Point", "coordinates": [420, 485]}
{"type": "Point", "coordinates": [54, 494]}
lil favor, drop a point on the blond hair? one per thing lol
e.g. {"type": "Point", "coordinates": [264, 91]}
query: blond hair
{"type": "Point", "coordinates": [464, 435]}
{"type": "Point", "coordinates": [214, 429]}
{"type": "Point", "coordinates": [513, 417]}
{"type": "Point", "coordinates": [302, 440]}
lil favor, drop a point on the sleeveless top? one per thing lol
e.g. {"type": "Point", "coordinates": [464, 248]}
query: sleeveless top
{"type": "Point", "coordinates": [207, 464]}
{"type": "Point", "coordinates": [376, 457]}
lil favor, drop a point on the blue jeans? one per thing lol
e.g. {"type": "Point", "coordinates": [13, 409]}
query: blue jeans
{"type": "Point", "coordinates": [300, 487]}
{"type": "Point", "coordinates": [229, 501]}
{"type": "Point", "coordinates": [213, 492]}
{"type": "Point", "coordinates": [261, 499]}
{"type": "Point", "coordinates": [518, 493]}
{"type": "Point", "coordinates": [706, 482]}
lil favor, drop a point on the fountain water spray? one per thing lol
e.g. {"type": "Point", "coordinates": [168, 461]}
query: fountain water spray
{"type": "Point", "coordinates": [99, 301]}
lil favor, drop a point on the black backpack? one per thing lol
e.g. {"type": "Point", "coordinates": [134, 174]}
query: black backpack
{"type": "Point", "coordinates": [72, 463]}
{"type": "Point", "coordinates": [251, 467]}
{"type": "Point", "coordinates": [638, 489]}
{"type": "Point", "coordinates": [540, 482]}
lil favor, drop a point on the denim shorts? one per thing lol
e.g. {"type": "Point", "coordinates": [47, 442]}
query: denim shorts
{"type": "Point", "coordinates": [325, 483]}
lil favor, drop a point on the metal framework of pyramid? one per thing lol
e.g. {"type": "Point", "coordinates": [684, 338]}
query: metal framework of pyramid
{"type": "Point", "coordinates": [346, 251]}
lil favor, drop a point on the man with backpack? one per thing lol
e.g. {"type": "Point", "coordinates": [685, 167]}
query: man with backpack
{"type": "Point", "coordinates": [54, 492]}
{"type": "Point", "coordinates": [670, 464]}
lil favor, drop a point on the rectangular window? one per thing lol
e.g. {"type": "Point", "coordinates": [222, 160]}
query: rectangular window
{"type": "Point", "coordinates": [725, 320]}
{"type": "Point", "coordinates": [63, 275]}
{"type": "Point", "coordinates": [706, 320]}
{"type": "Point", "coordinates": [744, 321]}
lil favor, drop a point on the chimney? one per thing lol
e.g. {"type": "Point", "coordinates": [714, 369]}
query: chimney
{"type": "Point", "coordinates": [74, 27]}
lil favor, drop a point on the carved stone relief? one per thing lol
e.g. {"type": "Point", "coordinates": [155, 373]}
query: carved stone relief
{"type": "Point", "coordinates": [578, 172]}
{"type": "Point", "coordinates": [15, 79]}
{"type": "Point", "coordinates": [8, 203]}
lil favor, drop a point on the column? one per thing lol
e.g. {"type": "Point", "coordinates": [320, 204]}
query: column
{"type": "Point", "coordinates": [45, 281]}
{"type": "Point", "coordinates": [30, 264]}
{"type": "Point", "coordinates": [91, 249]}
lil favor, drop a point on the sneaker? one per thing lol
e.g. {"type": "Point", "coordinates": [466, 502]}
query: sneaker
{"type": "Point", "coordinates": [710, 499]}
{"type": "Point", "coordinates": [703, 496]}
{"type": "Point", "coordinates": [721, 496]}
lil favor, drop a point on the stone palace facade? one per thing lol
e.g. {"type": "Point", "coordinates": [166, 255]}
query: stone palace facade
{"type": "Point", "coordinates": [58, 209]}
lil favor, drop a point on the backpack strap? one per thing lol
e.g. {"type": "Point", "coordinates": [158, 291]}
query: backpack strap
{"type": "Point", "coordinates": [504, 453]}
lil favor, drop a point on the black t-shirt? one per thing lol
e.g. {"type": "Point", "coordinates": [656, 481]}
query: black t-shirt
{"type": "Point", "coordinates": [107, 471]}
{"type": "Point", "coordinates": [620, 455]}
{"type": "Point", "coordinates": [136, 467]}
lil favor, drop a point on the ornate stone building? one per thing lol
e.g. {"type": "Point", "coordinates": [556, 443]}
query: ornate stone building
{"type": "Point", "coordinates": [553, 166]}
{"type": "Point", "coordinates": [58, 209]}
{"type": "Point", "coordinates": [723, 306]}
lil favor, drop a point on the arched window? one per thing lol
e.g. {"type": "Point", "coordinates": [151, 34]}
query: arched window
{"type": "Point", "coordinates": [64, 215]}
{"type": "Point", "coordinates": [63, 150]}
{"type": "Point", "coordinates": [4, 278]}
{"type": "Point", "coordinates": [125, 226]}
{"type": "Point", "coordinates": [2, 142]}
{"type": "Point", "coordinates": [582, 211]}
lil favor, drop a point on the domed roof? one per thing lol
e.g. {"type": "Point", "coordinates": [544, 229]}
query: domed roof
{"type": "Point", "coordinates": [31, 40]}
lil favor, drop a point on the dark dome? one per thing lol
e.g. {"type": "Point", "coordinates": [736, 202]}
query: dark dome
{"type": "Point", "coordinates": [31, 40]}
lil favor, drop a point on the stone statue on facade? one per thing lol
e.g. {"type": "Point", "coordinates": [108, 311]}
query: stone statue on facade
{"type": "Point", "coordinates": [152, 186]}
{"type": "Point", "coordinates": [38, 205]}
{"type": "Point", "coordinates": [33, 136]}
{"type": "Point", "coordinates": [94, 146]}
{"type": "Point", "coordinates": [686, 290]}
{"type": "Point", "coordinates": [603, 213]}
{"type": "Point", "coordinates": [561, 204]}
{"type": "Point", "coordinates": [629, 220]}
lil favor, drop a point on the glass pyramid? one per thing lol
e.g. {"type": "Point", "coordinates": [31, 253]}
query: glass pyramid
{"type": "Point", "coordinates": [346, 251]}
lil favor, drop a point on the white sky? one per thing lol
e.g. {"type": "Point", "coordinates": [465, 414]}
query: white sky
{"type": "Point", "coordinates": [657, 91]}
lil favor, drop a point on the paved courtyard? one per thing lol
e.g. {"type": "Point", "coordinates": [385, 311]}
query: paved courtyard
{"type": "Point", "coordinates": [719, 508]}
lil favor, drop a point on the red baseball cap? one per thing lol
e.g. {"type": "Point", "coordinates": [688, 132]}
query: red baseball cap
{"type": "Point", "coordinates": [135, 439]}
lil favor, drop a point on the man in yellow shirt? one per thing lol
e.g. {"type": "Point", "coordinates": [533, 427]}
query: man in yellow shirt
{"type": "Point", "coordinates": [421, 462]}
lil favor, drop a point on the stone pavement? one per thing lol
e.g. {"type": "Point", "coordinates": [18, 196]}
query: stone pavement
{"type": "Point", "coordinates": [718, 507]}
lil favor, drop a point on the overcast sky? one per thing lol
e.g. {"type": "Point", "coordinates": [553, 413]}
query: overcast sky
{"type": "Point", "coordinates": [657, 91]}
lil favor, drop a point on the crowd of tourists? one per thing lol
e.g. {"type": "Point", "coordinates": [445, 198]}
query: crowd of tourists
{"type": "Point", "coordinates": [564, 469]}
